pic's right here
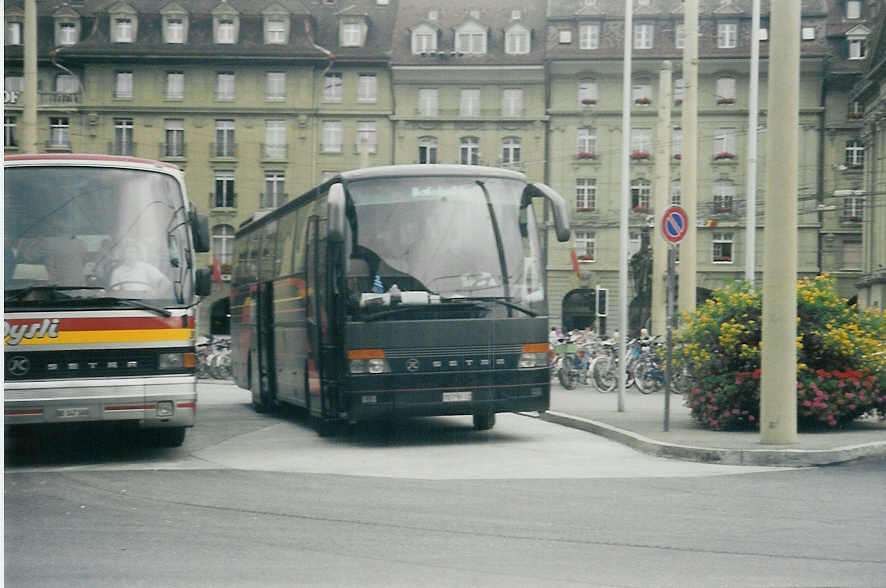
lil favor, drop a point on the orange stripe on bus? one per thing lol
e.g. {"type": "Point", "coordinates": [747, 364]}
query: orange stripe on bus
{"type": "Point", "coordinates": [366, 353]}
{"type": "Point", "coordinates": [536, 347]}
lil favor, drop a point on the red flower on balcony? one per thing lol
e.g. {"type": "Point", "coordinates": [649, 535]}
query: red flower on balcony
{"type": "Point", "coordinates": [585, 209]}
{"type": "Point", "coordinates": [678, 101]}
{"type": "Point", "coordinates": [586, 257]}
{"type": "Point", "coordinates": [588, 101]}
{"type": "Point", "coordinates": [721, 208]}
{"type": "Point", "coordinates": [640, 209]}
{"type": "Point", "coordinates": [677, 156]}
{"type": "Point", "coordinates": [725, 100]}
{"type": "Point", "coordinates": [643, 100]}
{"type": "Point", "coordinates": [724, 155]}
{"type": "Point", "coordinates": [587, 155]}
{"type": "Point", "coordinates": [640, 155]}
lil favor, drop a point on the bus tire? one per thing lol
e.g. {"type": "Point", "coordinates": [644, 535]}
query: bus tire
{"type": "Point", "coordinates": [259, 400]}
{"type": "Point", "coordinates": [171, 437]}
{"type": "Point", "coordinates": [483, 421]}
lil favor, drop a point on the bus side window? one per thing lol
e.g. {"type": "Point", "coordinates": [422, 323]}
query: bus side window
{"type": "Point", "coordinates": [285, 238]}
{"type": "Point", "coordinates": [241, 260]}
{"type": "Point", "coordinates": [268, 252]}
{"type": "Point", "coordinates": [298, 245]}
{"type": "Point", "coordinates": [252, 263]}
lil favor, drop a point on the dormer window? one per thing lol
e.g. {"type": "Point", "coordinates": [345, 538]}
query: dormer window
{"type": "Point", "coordinates": [225, 24]}
{"type": "Point", "coordinates": [853, 9]}
{"type": "Point", "coordinates": [123, 30]}
{"type": "Point", "coordinates": [856, 41]}
{"type": "Point", "coordinates": [175, 30]}
{"type": "Point", "coordinates": [424, 39]}
{"type": "Point", "coordinates": [276, 30]}
{"type": "Point", "coordinates": [433, 14]}
{"type": "Point", "coordinates": [517, 40]}
{"type": "Point", "coordinates": [13, 33]}
{"type": "Point", "coordinates": [224, 32]}
{"type": "Point", "coordinates": [471, 38]}
{"type": "Point", "coordinates": [67, 33]}
{"type": "Point", "coordinates": [351, 34]}
{"type": "Point", "coordinates": [516, 14]}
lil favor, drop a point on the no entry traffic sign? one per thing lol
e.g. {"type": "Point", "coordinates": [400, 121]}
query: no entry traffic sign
{"type": "Point", "coordinates": [674, 224]}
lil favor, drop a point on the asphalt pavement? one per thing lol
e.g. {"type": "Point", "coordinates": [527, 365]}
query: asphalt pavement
{"type": "Point", "coordinates": [641, 425]}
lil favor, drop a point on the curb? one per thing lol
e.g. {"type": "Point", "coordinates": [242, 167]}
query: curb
{"type": "Point", "coordinates": [755, 457]}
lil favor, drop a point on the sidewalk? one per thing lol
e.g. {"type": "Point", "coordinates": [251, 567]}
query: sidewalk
{"type": "Point", "coordinates": [641, 426]}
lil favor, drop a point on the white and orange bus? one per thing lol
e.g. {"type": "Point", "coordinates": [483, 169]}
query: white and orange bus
{"type": "Point", "coordinates": [101, 289]}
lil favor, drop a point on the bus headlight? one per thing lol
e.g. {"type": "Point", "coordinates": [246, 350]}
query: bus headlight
{"type": "Point", "coordinates": [172, 361]}
{"type": "Point", "coordinates": [534, 355]}
{"type": "Point", "coordinates": [367, 361]}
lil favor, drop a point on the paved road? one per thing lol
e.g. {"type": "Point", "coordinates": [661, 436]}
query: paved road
{"type": "Point", "coordinates": [252, 500]}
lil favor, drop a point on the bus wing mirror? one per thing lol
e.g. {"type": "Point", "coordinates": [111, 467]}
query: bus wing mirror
{"type": "Point", "coordinates": [200, 230]}
{"type": "Point", "coordinates": [558, 207]}
{"type": "Point", "coordinates": [336, 211]}
{"type": "Point", "coordinates": [203, 282]}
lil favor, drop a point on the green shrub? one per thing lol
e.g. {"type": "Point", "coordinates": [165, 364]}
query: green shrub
{"type": "Point", "coordinates": [841, 367]}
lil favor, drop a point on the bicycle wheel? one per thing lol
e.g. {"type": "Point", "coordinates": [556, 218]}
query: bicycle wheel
{"type": "Point", "coordinates": [603, 374]}
{"type": "Point", "coordinates": [647, 379]}
{"type": "Point", "coordinates": [680, 381]}
{"type": "Point", "coordinates": [568, 373]}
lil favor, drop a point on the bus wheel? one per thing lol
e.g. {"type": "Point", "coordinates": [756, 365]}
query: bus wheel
{"type": "Point", "coordinates": [172, 437]}
{"type": "Point", "coordinates": [259, 400]}
{"type": "Point", "coordinates": [483, 421]}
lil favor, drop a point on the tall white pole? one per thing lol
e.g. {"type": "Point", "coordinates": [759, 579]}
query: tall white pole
{"type": "Point", "coordinates": [625, 201]}
{"type": "Point", "coordinates": [689, 158]}
{"type": "Point", "coordinates": [29, 96]}
{"type": "Point", "coordinates": [754, 109]}
{"type": "Point", "coordinates": [661, 197]}
{"type": "Point", "coordinates": [778, 385]}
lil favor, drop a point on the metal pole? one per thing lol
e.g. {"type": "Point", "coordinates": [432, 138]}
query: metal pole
{"type": "Point", "coordinates": [778, 386]}
{"type": "Point", "coordinates": [625, 203]}
{"type": "Point", "coordinates": [751, 213]}
{"type": "Point", "coordinates": [689, 157]}
{"type": "Point", "coordinates": [669, 341]}
{"type": "Point", "coordinates": [661, 197]}
{"type": "Point", "coordinates": [29, 96]}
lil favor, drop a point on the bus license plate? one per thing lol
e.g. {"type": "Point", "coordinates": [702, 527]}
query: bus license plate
{"type": "Point", "coordinates": [71, 413]}
{"type": "Point", "coordinates": [456, 396]}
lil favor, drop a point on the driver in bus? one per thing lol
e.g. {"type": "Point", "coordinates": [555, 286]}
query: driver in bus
{"type": "Point", "coordinates": [135, 275]}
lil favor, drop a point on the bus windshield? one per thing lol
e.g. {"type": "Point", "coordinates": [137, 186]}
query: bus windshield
{"type": "Point", "coordinates": [95, 235]}
{"type": "Point", "coordinates": [456, 237]}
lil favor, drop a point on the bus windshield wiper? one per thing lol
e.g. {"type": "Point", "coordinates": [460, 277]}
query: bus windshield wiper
{"type": "Point", "coordinates": [134, 304]}
{"type": "Point", "coordinates": [49, 291]}
{"type": "Point", "coordinates": [498, 300]}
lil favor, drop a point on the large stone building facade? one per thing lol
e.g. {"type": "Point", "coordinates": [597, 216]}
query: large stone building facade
{"type": "Point", "coordinates": [258, 100]}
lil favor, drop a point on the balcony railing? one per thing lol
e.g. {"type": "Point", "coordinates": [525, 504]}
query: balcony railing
{"type": "Point", "coordinates": [222, 200]}
{"type": "Point", "coordinates": [168, 150]}
{"type": "Point", "coordinates": [115, 148]}
{"type": "Point", "coordinates": [57, 144]}
{"type": "Point", "coordinates": [274, 151]}
{"type": "Point", "coordinates": [60, 98]}
{"type": "Point", "coordinates": [223, 149]}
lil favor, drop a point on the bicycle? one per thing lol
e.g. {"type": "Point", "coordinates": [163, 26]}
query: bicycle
{"type": "Point", "coordinates": [603, 368]}
{"type": "Point", "coordinates": [567, 363]}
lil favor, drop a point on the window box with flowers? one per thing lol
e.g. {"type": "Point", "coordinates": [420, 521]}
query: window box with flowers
{"type": "Point", "coordinates": [677, 156]}
{"type": "Point", "coordinates": [722, 259]}
{"type": "Point", "coordinates": [587, 155]}
{"type": "Point", "coordinates": [588, 101]}
{"type": "Point", "coordinates": [854, 165]}
{"type": "Point", "coordinates": [643, 101]}
{"type": "Point", "coordinates": [722, 209]}
{"type": "Point", "coordinates": [585, 209]}
{"type": "Point", "coordinates": [725, 100]}
{"type": "Point", "coordinates": [724, 155]}
{"type": "Point", "coordinates": [585, 257]}
{"type": "Point", "coordinates": [640, 155]}
{"type": "Point", "coordinates": [641, 209]}
{"type": "Point", "coordinates": [856, 115]}
{"type": "Point", "coordinates": [678, 102]}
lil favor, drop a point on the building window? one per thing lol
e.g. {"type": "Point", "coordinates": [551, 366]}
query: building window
{"type": "Point", "coordinates": [66, 84]}
{"type": "Point", "coordinates": [224, 196]}
{"type": "Point", "coordinates": [643, 35]}
{"type": "Point", "coordinates": [853, 9]}
{"type": "Point", "coordinates": [469, 151]}
{"type": "Point", "coordinates": [175, 138]}
{"type": "Point", "coordinates": [585, 194]}
{"type": "Point", "coordinates": [275, 86]}
{"type": "Point", "coordinates": [275, 139]}
{"type": "Point", "coordinates": [635, 242]}
{"type": "Point", "coordinates": [332, 136]}
{"type": "Point", "coordinates": [124, 30]}
{"type": "Point", "coordinates": [724, 196]}
{"type": "Point", "coordinates": [13, 33]}
{"type": "Point", "coordinates": [641, 92]}
{"type": "Point", "coordinates": [764, 34]}
{"type": "Point", "coordinates": [224, 31]}
{"type": "Point", "coordinates": [367, 88]}
{"type": "Point", "coordinates": [427, 101]}
{"type": "Point", "coordinates": [517, 40]}
{"type": "Point", "coordinates": [175, 29]}
{"type": "Point", "coordinates": [275, 190]}
{"type": "Point", "coordinates": [641, 192]}
{"type": "Point", "coordinates": [469, 104]}
{"type": "Point", "coordinates": [366, 137]}
{"type": "Point", "coordinates": [512, 102]}
{"type": "Point", "coordinates": [854, 154]}
{"type": "Point", "coordinates": [677, 143]}
{"type": "Point", "coordinates": [808, 33]}
{"type": "Point", "coordinates": [175, 85]}
{"type": "Point", "coordinates": [66, 33]}
{"type": "Point", "coordinates": [225, 86]}
{"type": "Point", "coordinates": [676, 192]}
{"type": "Point", "coordinates": [853, 207]}
{"type": "Point", "coordinates": [332, 87]}
{"type": "Point", "coordinates": [123, 85]}
{"type": "Point", "coordinates": [724, 143]}
{"type": "Point", "coordinates": [589, 36]}
{"type": "Point", "coordinates": [471, 39]}
{"type": "Point", "coordinates": [510, 152]}
{"type": "Point", "coordinates": [585, 246]}
{"type": "Point", "coordinates": [276, 31]}
{"type": "Point", "coordinates": [564, 36]}
{"type": "Point", "coordinates": [722, 248]}
{"type": "Point", "coordinates": [856, 48]}
{"type": "Point", "coordinates": [14, 85]}
{"type": "Point", "coordinates": [852, 256]}
{"type": "Point", "coordinates": [727, 35]}
{"type": "Point", "coordinates": [641, 143]}
{"type": "Point", "coordinates": [725, 90]}
{"type": "Point", "coordinates": [587, 93]}
{"type": "Point", "coordinates": [351, 35]}
{"type": "Point", "coordinates": [59, 132]}
{"type": "Point", "coordinates": [224, 138]}
{"type": "Point", "coordinates": [223, 246]}
{"type": "Point", "coordinates": [424, 39]}
{"type": "Point", "coordinates": [123, 129]}
{"type": "Point", "coordinates": [10, 134]}
{"type": "Point", "coordinates": [427, 149]}
{"type": "Point", "coordinates": [586, 143]}
{"type": "Point", "coordinates": [678, 91]}
{"type": "Point", "coordinates": [679, 35]}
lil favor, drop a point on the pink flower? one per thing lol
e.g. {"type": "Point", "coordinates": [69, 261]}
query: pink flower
{"type": "Point", "coordinates": [807, 403]}
{"type": "Point", "coordinates": [850, 395]}
{"type": "Point", "coordinates": [751, 418]}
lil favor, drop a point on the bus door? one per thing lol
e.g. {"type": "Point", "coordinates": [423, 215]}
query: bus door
{"type": "Point", "coordinates": [264, 326]}
{"type": "Point", "coordinates": [314, 396]}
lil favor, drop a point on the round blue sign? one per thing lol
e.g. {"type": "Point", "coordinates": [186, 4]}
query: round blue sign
{"type": "Point", "coordinates": [674, 224]}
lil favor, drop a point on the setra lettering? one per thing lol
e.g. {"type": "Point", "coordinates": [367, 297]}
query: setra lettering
{"type": "Point", "coordinates": [14, 334]}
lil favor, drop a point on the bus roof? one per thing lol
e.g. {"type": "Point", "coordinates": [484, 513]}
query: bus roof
{"type": "Point", "coordinates": [437, 169]}
{"type": "Point", "coordinates": [87, 159]}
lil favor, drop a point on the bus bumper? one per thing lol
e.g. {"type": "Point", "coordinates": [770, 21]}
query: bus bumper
{"type": "Point", "coordinates": [162, 401]}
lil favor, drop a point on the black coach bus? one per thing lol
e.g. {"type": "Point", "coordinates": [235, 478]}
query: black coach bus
{"type": "Point", "coordinates": [397, 291]}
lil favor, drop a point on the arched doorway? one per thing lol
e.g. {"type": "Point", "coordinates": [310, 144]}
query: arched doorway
{"type": "Point", "coordinates": [580, 311]}
{"type": "Point", "coordinates": [220, 317]}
